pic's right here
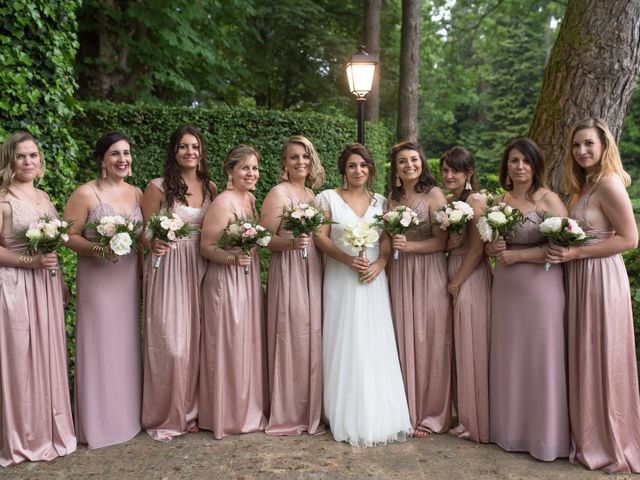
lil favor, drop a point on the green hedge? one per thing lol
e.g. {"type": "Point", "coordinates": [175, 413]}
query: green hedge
{"type": "Point", "coordinates": [150, 126]}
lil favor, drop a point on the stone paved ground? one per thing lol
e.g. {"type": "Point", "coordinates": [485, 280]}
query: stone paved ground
{"type": "Point", "coordinates": [257, 456]}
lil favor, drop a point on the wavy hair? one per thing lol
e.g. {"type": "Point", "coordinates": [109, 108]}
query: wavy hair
{"type": "Point", "coordinates": [461, 160]}
{"type": "Point", "coordinates": [426, 181]}
{"type": "Point", "coordinates": [175, 188]}
{"type": "Point", "coordinates": [574, 176]}
{"type": "Point", "coordinates": [315, 177]}
{"type": "Point", "coordinates": [534, 157]}
{"type": "Point", "coordinates": [236, 155]}
{"type": "Point", "coordinates": [8, 157]}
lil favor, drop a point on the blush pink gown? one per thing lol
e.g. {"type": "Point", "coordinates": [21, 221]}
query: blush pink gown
{"type": "Point", "coordinates": [603, 380]}
{"type": "Point", "coordinates": [108, 358]}
{"type": "Point", "coordinates": [294, 341]}
{"type": "Point", "coordinates": [234, 395]}
{"type": "Point", "coordinates": [421, 309]}
{"type": "Point", "coordinates": [471, 317]}
{"type": "Point", "coordinates": [172, 310]}
{"type": "Point", "coordinates": [35, 410]}
{"type": "Point", "coordinates": [527, 370]}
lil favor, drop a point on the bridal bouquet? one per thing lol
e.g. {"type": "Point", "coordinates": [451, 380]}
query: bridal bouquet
{"type": "Point", "coordinates": [563, 231]}
{"type": "Point", "coordinates": [245, 234]}
{"type": "Point", "coordinates": [115, 235]}
{"type": "Point", "coordinates": [454, 216]}
{"type": "Point", "coordinates": [398, 221]}
{"type": "Point", "coordinates": [499, 221]}
{"type": "Point", "coordinates": [46, 235]}
{"type": "Point", "coordinates": [303, 218]}
{"type": "Point", "coordinates": [169, 227]}
{"type": "Point", "coordinates": [360, 236]}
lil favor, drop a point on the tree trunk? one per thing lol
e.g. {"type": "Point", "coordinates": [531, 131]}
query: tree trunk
{"type": "Point", "coordinates": [591, 72]}
{"type": "Point", "coordinates": [372, 9]}
{"type": "Point", "coordinates": [409, 66]}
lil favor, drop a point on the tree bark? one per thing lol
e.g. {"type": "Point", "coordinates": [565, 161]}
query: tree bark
{"type": "Point", "coordinates": [372, 9]}
{"type": "Point", "coordinates": [591, 72]}
{"type": "Point", "coordinates": [409, 69]}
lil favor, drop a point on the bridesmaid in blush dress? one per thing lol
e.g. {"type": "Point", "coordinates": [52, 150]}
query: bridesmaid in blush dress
{"type": "Point", "coordinates": [294, 288]}
{"type": "Point", "coordinates": [470, 287]}
{"type": "Point", "coordinates": [35, 410]}
{"type": "Point", "coordinates": [419, 299]}
{"type": "Point", "coordinates": [172, 305]}
{"type": "Point", "coordinates": [527, 368]}
{"type": "Point", "coordinates": [604, 403]}
{"type": "Point", "coordinates": [234, 396]}
{"type": "Point", "coordinates": [108, 385]}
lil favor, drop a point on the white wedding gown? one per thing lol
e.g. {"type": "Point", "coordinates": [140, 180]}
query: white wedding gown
{"type": "Point", "coordinates": [364, 397]}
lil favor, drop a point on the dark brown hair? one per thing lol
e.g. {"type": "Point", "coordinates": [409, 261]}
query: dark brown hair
{"type": "Point", "coordinates": [426, 181]}
{"type": "Point", "coordinates": [533, 156]}
{"type": "Point", "coordinates": [461, 160]}
{"type": "Point", "coordinates": [357, 149]}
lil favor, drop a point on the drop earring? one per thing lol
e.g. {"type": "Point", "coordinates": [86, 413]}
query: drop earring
{"type": "Point", "coordinates": [345, 185]}
{"type": "Point", "coordinates": [467, 185]}
{"type": "Point", "coordinates": [507, 181]}
{"type": "Point", "coordinates": [129, 172]}
{"type": "Point", "coordinates": [104, 172]}
{"type": "Point", "coordinates": [230, 183]}
{"type": "Point", "coordinates": [398, 182]}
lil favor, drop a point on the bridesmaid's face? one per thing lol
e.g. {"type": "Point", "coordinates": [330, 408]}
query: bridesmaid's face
{"type": "Point", "coordinates": [356, 171]}
{"type": "Point", "coordinates": [27, 164]}
{"type": "Point", "coordinates": [587, 148]}
{"type": "Point", "coordinates": [117, 159]}
{"type": "Point", "coordinates": [408, 165]}
{"type": "Point", "coordinates": [188, 154]}
{"type": "Point", "coordinates": [518, 167]}
{"type": "Point", "coordinates": [245, 174]}
{"type": "Point", "coordinates": [297, 162]}
{"type": "Point", "coordinates": [454, 180]}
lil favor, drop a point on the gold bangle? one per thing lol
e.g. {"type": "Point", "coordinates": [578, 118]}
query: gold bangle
{"type": "Point", "coordinates": [290, 245]}
{"type": "Point", "coordinates": [25, 260]}
{"type": "Point", "coordinates": [98, 250]}
{"type": "Point", "coordinates": [232, 260]}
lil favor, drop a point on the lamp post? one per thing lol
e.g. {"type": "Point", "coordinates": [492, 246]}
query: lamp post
{"type": "Point", "coordinates": [360, 70]}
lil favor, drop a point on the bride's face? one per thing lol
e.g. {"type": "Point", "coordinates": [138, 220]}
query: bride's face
{"type": "Point", "coordinates": [356, 171]}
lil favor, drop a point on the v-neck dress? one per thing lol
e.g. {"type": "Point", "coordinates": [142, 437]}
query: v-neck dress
{"type": "Point", "coordinates": [364, 397]}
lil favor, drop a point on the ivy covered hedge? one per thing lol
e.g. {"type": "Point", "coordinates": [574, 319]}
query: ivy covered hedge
{"type": "Point", "coordinates": [150, 126]}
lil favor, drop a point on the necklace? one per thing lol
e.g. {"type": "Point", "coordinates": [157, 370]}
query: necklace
{"type": "Point", "coordinates": [33, 200]}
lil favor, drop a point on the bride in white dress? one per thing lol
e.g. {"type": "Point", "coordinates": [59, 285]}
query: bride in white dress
{"type": "Point", "coordinates": [364, 398]}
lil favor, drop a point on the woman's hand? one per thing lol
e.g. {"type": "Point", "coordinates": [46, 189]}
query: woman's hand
{"type": "Point", "coordinates": [399, 242]}
{"type": "Point", "coordinates": [496, 246]}
{"type": "Point", "coordinates": [508, 257]}
{"type": "Point", "coordinates": [558, 254]}
{"type": "Point", "coordinates": [360, 264]}
{"type": "Point", "coordinates": [46, 260]}
{"type": "Point", "coordinates": [301, 241]}
{"type": "Point", "coordinates": [160, 247]}
{"type": "Point", "coordinates": [454, 241]}
{"type": "Point", "coordinates": [372, 272]}
{"type": "Point", "coordinates": [454, 290]}
{"type": "Point", "coordinates": [243, 260]}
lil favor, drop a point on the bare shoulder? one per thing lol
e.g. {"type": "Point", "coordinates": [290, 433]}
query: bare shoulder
{"type": "Point", "coordinates": [611, 184]}
{"type": "Point", "coordinates": [436, 195]}
{"type": "Point", "coordinates": [84, 193]}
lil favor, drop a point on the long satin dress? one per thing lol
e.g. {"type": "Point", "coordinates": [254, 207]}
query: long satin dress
{"type": "Point", "coordinates": [421, 308]}
{"type": "Point", "coordinates": [604, 403]}
{"type": "Point", "coordinates": [172, 311]}
{"type": "Point", "coordinates": [294, 341]}
{"type": "Point", "coordinates": [108, 393]}
{"type": "Point", "coordinates": [234, 395]}
{"type": "Point", "coordinates": [35, 409]}
{"type": "Point", "coordinates": [527, 368]}
{"type": "Point", "coordinates": [471, 333]}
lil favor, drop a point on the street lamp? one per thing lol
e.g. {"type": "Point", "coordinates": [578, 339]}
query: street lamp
{"type": "Point", "coordinates": [360, 70]}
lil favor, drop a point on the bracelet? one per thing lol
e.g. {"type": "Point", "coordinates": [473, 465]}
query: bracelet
{"type": "Point", "coordinates": [98, 250]}
{"type": "Point", "coordinates": [232, 260]}
{"type": "Point", "coordinates": [290, 245]}
{"type": "Point", "coordinates": [25, 260]}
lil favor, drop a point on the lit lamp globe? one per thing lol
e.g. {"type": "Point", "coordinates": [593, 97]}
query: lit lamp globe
{"type": "Point", "coordinates": [360, 71]}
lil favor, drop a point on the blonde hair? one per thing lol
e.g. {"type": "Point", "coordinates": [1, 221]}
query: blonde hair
{"type": "Point", "coordinates": [8, 158]}
{"type": "Point", "coordinates": [315, 177]}
{"type": "Point", "coordinates": [574, 176]}
{"type": "Point", "coordinates": [236, 155]}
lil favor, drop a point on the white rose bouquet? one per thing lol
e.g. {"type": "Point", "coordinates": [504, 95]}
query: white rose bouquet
{"type": "Point", "coordinates": [169, 227]}
{"type": "Point", "coordinates": [115, 235]}
{"type": "Point", "coordinates": [398, 221]}
{"type": "Point", "coordinates": [563, 231]}
{"type": "Point", "coordinates": [360, 236]}
{"type": "Point", "coordinates": [498, 221]}
{"type": "Point", "coordinates": [46, 235]}
{"type": "Point", "coordinates": [454, 216]}
{"type": "Point", "coordinates": [245, 234]}
{"type": "Point", "coordinates": [303, 218]}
